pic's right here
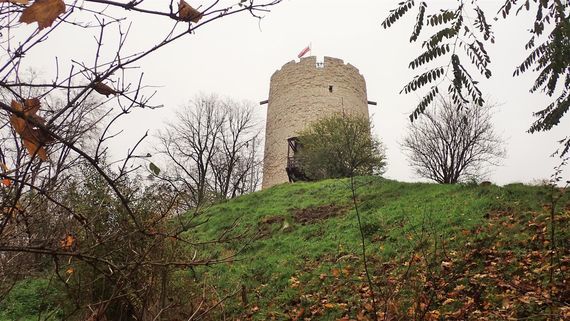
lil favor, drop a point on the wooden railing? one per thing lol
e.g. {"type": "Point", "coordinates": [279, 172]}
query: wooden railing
{"type": "Point", "coordinates": [294, 170]}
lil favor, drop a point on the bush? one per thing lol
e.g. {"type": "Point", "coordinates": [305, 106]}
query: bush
{"type": "Point", "coordinates": [32, 299]}
{"type": "Point", "coordinates": [340, 146]}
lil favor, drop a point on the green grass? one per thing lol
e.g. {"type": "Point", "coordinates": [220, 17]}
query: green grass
{"type": "Point", "coordinates": [397, 217]}
{"type": "Point", "coordinates": [34, 299]}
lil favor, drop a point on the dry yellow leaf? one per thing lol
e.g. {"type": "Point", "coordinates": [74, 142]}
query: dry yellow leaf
{"type": "Point", "coordinates": [18, 123]}
{"type": "Point", "coordinates": [33, 148]}
{"type": "Point", "coordinates": [5, 181]}
{"type": "Point", "coordinates": [68, 242]}
{"type": "Point", "coordinates": [44, 12]}
{"type": "Point", "coordinates": [448, 301]}
{"type": "Point", "coordinates": [32, 137]}
{"type": "Point", "coordinates": [31, 106]}
{"type": "Point", "coordinates": [432, 315]}
{"type": "Point", "coordinates": [187, 13]}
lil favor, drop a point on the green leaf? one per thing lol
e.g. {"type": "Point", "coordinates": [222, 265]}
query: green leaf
{"type": "Point", "coordinates": [419, 22]}
{"type": "Point", "coordinates": [396, 14]}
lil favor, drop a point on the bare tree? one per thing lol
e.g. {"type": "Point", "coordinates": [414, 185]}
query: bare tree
{"type": "Point", "coordinates": [236, 168]}
{"type": "Point", "coordinates": [190, 144]}
{"type": "Point", "coordinates": [211, 149]}
{"type": "Point", "coordinates": [448, 145]}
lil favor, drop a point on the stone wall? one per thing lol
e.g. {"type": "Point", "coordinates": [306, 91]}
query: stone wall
{"type": "Point", "coordinates": [301, 93]}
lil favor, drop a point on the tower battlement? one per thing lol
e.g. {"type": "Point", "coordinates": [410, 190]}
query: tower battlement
{"type": "Point", "coordinates": [311, 62]}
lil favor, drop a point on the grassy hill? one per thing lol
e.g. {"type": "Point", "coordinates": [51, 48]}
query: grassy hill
{"type": "Point", "coordinates": [453, 252]}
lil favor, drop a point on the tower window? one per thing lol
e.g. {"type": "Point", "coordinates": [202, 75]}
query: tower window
{"type": "Point", "coordinates": [330, 89]}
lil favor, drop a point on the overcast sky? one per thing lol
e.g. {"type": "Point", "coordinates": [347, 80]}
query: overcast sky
{"type": "Point", "coordinates": [236, 56]}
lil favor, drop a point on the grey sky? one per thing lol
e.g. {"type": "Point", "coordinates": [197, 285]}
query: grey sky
{"type": "Point", "coordinates": [236, 56]}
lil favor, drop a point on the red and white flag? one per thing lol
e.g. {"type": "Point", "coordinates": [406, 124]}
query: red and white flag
{"type": "Point", "coordinates": [304, 51]}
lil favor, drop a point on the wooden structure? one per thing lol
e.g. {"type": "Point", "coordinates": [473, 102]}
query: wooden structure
{"type": "Point", "coordinates": [294, 168]}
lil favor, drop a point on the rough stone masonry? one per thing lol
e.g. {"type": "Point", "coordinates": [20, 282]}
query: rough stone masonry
{"type": "Point", "coordinates": [301, 93]}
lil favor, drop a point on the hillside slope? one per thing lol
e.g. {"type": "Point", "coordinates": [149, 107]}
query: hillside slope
{"type": "Point", "coordinates": [453, 252]}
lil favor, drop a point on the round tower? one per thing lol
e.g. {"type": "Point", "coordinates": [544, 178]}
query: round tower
{"type": "Point", "coordinates": [301, 93]}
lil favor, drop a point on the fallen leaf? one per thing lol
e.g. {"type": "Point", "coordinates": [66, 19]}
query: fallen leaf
{"type": "Point", "coordinates": [298, 315]}
{"type": "Point", "coordinates": [446, 264]}
{"type": "Point", "coordinates": [433, 315]}
{"type": "Point", "coordinates": [460, 287]}
{"type": "Point", "coordinates": [69, 270]}
{"type": "Point", "coordinates": [294, 282]}
{"type": "Point", "coordinates": [506, 303]}
{"type": "Point", "coordinates": [361, 317]}
{"type": "Point", "coordinates": [187, 13]}
{"type": "Point", "coordinates": [104, 89]}
{"type": "Point", "coordinates": [44, 12]}
{"type": "Point", "coordinates": [346, 271]}
{"type": "Point", "coordinates": [32, 137]}
{"type": "Point", "coordinates": [335, 273]}
{"type": "Point", "coordinates": [524, 299]}
{"type": "Point", "coordinates": [448, 301]}
{"type": "Point", "coordinates": [343, 306]}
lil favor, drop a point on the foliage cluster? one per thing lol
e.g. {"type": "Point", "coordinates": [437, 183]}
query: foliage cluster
{"type": "Point", "coordinates": [33, 299]}
{"type": "Point", "coordinates": [461, 33]}
{"type": "Point", "coordinates": [340, 146]}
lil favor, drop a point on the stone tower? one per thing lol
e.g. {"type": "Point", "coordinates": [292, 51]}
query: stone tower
{"type": "Point", "coordinates": [301, 93]}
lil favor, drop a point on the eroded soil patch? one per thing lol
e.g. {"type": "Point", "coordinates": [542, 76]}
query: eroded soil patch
{"type": "Point", "coordinates": [313, 214]}
{"type": "Point", "coordinates": [268, 225]}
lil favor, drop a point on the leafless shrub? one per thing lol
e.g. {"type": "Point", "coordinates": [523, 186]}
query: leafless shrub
{"type": "Point", "coordinates": [449, 145]}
